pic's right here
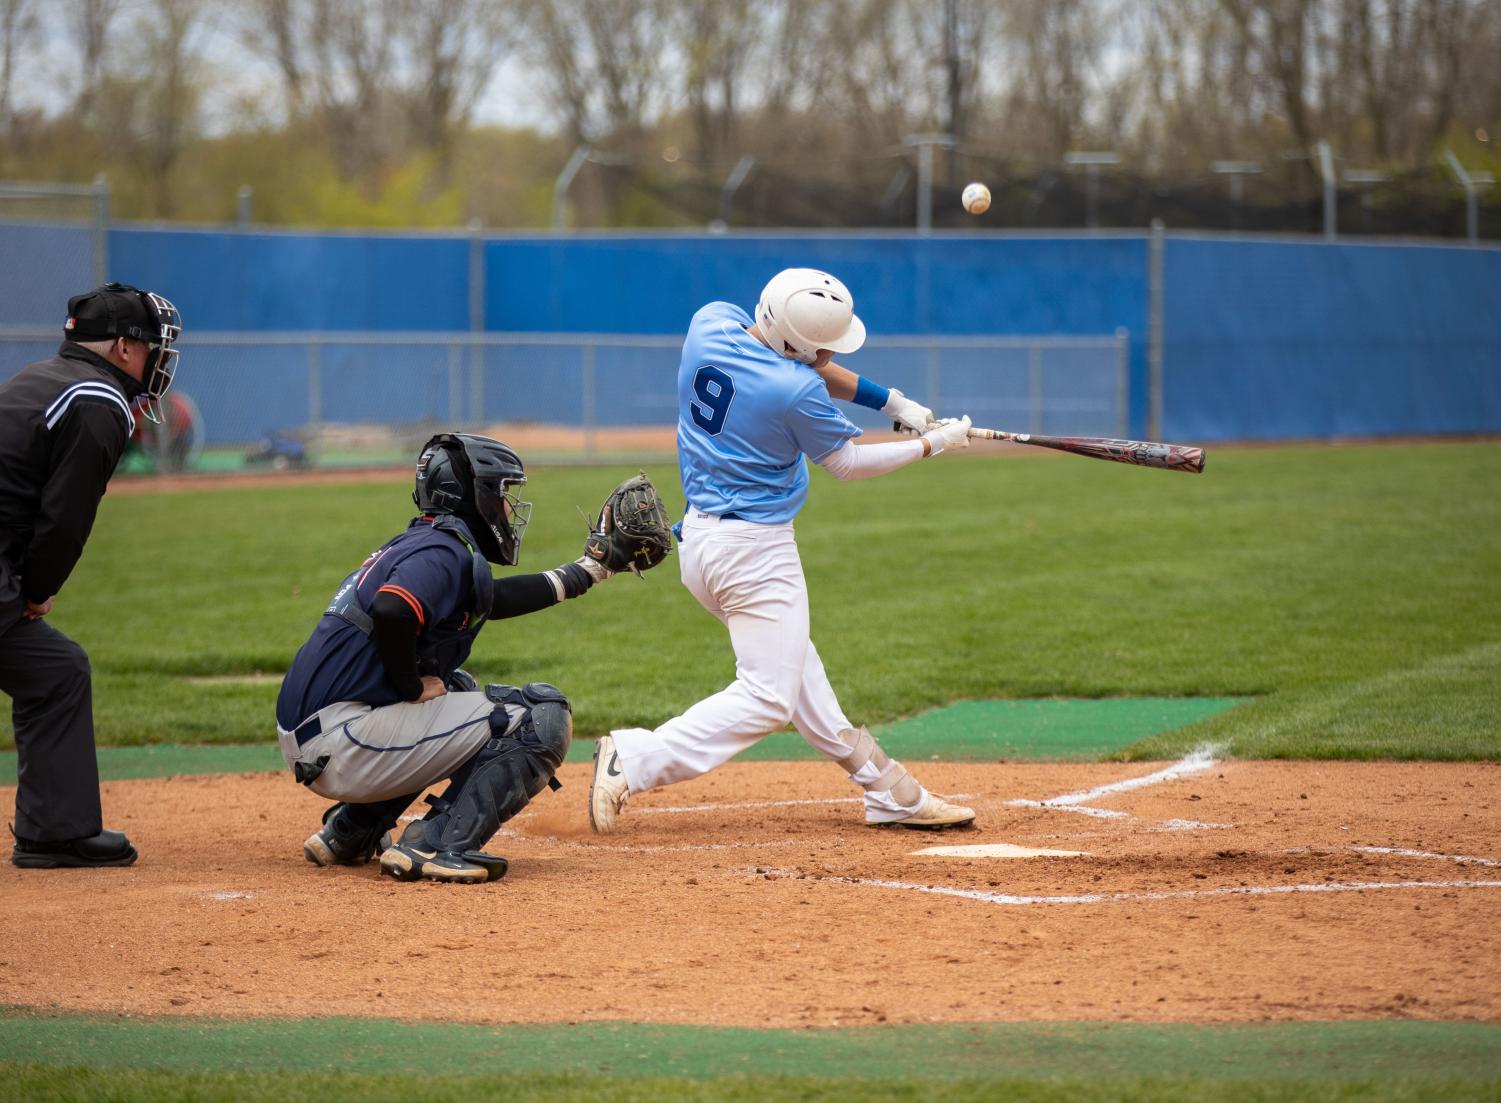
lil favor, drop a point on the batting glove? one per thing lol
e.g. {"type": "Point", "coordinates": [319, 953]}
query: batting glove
{"type": "Point", "coordinates": [949, 434]}
{"type": "Point", "coordinates": [905, 413]}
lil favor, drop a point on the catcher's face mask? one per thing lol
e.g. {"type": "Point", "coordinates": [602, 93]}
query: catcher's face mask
{"type": "Point", "coordinates": [476, 478]}
{"type": "Point", "coordinates": [504, 513]}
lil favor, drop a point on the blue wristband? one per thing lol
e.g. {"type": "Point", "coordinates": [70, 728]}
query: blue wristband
{"type": "Point", "coordinates": [871, 394]}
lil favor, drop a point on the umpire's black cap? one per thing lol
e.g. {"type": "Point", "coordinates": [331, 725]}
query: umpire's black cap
{"type": "Point", "coordinates": [114, 310]}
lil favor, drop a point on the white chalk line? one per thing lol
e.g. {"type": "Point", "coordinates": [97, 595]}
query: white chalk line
{"type": "Point", "coordinates": [1402, 852]}
{"type": "Point", "coordinates": [1199, 760]}
{"type": "Point", "coordinates": [1010, 900]}
{"type": "Point", "coordinates": [1098, 813]}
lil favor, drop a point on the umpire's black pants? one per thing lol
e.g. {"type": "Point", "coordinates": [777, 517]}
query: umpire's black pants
{"type": "Point", "coordinates": [46, 676]}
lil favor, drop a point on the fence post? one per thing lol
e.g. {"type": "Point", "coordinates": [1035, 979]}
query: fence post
{"type": "Point", "coordinates": [1034, 389]}
{"type": "Point", "coordinates": [1154, 330]}
{"type": "Point", "coordinates": [455, 385]}
{"type": "Point", "coordinates": [314, 382]}
{"type": "Point", "coordinates": [101, 230]}
{"type": "Point", "coordinates": [476, 382]}
{"type": "Point", "coordinates": [1122, 381]}
{"type": "Point", "coordinates": [587, 396]}
{"type": "Point", "coordinates": [476, 322]}
{"type": "Point", "coordinates": [934, 369]}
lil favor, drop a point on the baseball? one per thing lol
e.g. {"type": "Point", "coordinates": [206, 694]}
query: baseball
{"type": "Point", "coordinates": [976, 198]}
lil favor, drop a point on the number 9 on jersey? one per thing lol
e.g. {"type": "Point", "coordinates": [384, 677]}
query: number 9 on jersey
{"type": "Point", "coordinates": [715, 390]}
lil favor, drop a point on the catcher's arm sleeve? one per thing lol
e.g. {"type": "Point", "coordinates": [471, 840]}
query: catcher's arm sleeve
{"type": "Point", "coordinates": [527, 593]}
{"type": "Point", "coordinates": [394, 625]}
{"type": "Point", "coordinates": [865, 461]}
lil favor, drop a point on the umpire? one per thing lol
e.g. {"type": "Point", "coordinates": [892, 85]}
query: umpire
{"type": "Point", "coordinates": [64, 423]}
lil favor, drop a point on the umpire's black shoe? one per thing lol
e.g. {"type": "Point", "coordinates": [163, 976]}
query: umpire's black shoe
{"type": "Point", "coordinates": [108, 848]}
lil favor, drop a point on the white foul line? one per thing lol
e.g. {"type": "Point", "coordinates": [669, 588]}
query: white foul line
{"type": "Point", "coordinates": [1203, 758]}
{"type": "Point", "coordinates": [1119, 897]}
{"type": "Point", "coordinates": [1403, 853]}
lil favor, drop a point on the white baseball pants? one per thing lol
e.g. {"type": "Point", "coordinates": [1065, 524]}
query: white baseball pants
{"type": "Point", "coordinates": [751, 577]}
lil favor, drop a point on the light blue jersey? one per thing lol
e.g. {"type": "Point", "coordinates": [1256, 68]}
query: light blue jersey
{"type": "Point", "coordinates": [746, 418]}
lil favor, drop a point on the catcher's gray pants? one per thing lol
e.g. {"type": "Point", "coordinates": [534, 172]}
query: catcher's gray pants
{"type": "Point", "coordinates": [46, 675]}
{"type": "Point", "coordinates": [375, 754]}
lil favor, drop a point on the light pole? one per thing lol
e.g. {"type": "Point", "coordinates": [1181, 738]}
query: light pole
{"type": "Point", "coordinates": [1368, 179]}
{"type": "Point", "coordinates": [1091, 163]}
{"type": "Point", "coordinates": [1473, 183]}
{"type": "Point", "coordinates": [924, 144]}
{"type": "Point", "coordinates": [1237, 171]}
{"type": "Point", "coordinates": [580, 156]}
{"type": "Point", "coordinates": [732, 184]}
{"type": "Point", "coordinates": [1326, 170]}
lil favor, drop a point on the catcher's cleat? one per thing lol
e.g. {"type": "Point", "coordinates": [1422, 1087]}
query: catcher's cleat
{"type": "Point", "coordinates": [608, 790]}
{"type": "Point", "coordinates": [107, 848]}
{"type": "Point", "coordinates": [414, 858]}
{"type": "Point", "coordinates": [934, 815]}
{"type": "Point", "coordinates": [340, 842]}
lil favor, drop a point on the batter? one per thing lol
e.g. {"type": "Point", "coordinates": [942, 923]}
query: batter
{"type": "Point", "coordinates": [753, 401]}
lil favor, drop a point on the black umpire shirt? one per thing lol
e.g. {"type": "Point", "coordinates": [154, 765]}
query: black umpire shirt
{"type": "Point", "coordinates": [64, 423]}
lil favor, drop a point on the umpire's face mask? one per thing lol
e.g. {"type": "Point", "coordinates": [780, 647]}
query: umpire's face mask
{"type": "Point", "coordinates": [161, 357]}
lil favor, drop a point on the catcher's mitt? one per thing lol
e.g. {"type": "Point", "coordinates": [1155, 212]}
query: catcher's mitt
{"type": "Point", "coordinates": [632, 531]}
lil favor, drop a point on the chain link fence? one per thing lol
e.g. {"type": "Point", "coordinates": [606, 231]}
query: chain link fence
{"type": "Point", "coordinates": [252, 400]}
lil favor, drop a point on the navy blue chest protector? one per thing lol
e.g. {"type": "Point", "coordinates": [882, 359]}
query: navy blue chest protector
{"type": "Point", "coordinates": [441, 647]}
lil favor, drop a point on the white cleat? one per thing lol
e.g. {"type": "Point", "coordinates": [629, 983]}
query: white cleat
{"type": "Point", "coordinates": [934, 815]}
{"type": "Point", "coordinates": [608, 790]}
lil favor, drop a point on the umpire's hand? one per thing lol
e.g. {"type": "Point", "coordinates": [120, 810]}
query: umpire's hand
{"type": "Point", "coordinates": [37, 612]}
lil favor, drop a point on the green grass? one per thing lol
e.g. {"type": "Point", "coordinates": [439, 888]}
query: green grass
{"type": "Point", "coordinates": [1353, 591]}
{"type": "Point", "coordinates": [119, 1057]}
{"type": "Point", "coordinates": [42, 1084]}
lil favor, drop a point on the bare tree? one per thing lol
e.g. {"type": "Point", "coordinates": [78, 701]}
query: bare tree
{"type": "Point", "coordinates": [17, 25]}
{"type": "Point", "coordinates": [1056, 45]}
{"type": "Point", "coordinates": [169, 95]}
{"type": "Point", "coordinates": [90, 28]}
{"type": "Point", "coordinates": [604, 64]}
{"type": "Point", "coordinates": [382, 77]}
{"type": "Point", "coordinates": [716, 43]}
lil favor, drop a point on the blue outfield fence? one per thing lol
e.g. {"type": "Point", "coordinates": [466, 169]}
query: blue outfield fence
{"type": "Point", "coordinates": [1275, 339]}
{"type": "Point", "coordinates": [1260, 339]}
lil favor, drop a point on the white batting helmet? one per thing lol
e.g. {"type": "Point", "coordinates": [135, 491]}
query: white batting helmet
{"type": "Point", "coordinates": [808, 310]}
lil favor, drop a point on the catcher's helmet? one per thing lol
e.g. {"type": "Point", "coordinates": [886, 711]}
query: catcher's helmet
{"type": "Point", "coordinates": [808, 310]}
{"type": "Point", "coordinates": [471, 477]}
{"type": "Point", "coordinates": [119, 310]}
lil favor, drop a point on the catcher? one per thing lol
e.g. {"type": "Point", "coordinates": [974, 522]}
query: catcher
{"type": "Point", "coordinates": [375, 708]}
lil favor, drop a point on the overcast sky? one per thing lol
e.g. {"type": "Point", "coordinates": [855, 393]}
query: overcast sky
{"type": "Point", "coordinates": [238, 82]}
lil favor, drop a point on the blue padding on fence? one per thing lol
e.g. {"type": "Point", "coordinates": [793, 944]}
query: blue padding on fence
{"type": "Point", "coordinates": [902, 284]}
{"type": "Point", "coordinates": [1271, 339]}
{"type": "Point", "coordinates": [280, 281]}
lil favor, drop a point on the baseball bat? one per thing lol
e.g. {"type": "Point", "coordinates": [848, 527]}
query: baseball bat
{"type": "Point", "coordinates": [1143, 453]}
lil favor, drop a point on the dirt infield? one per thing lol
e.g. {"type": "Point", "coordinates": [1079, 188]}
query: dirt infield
{"type": "Point", "coordinates": [1209, 892]}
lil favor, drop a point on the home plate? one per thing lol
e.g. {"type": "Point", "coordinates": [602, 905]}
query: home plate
{"type": "Point", "coordinates": [997, 850]}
